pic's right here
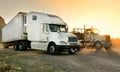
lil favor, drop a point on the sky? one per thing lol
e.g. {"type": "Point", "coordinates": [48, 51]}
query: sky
{"type": "Point", "coordinates": [101, 14]}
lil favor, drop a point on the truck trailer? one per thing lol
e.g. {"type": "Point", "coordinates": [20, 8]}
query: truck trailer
{"type": "Point", "coordinates": [41, 31]}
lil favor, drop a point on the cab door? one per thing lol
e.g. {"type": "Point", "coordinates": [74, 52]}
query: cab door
{"type": "Point", "coordinates": [44, 39]}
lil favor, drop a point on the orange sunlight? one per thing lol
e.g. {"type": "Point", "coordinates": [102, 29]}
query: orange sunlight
{"type": "Point", "coordinates": [104, 24]}
{"type": "Point", "coordinates": [102, 30]}
{"type": "Point", "coordinates": [101, 14]}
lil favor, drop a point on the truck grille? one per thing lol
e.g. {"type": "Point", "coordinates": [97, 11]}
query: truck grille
{"type": "Point", "coordinates": [72, 39]}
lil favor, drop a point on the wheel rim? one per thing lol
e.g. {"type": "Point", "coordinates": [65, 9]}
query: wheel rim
{"type": "Point", "coordinates": [73, 50]}
{"type": "Point", "coordinates": [15, 47]}
{"type": "Point", "coordinates": [20, 47]}
{"type": "Point", "coordinates": [52, 49]}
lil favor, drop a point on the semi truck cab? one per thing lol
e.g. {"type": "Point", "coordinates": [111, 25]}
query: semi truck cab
{"type": "Point", "coordinates": [51, 34]}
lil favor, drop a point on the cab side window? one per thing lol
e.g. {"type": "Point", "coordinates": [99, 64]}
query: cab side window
{"type": "Point", "coordinates": [34, 17]}
{"type": "Point", "coordinates": [24, 19]}
{"type": "Point", "coordinates": [45, 27]}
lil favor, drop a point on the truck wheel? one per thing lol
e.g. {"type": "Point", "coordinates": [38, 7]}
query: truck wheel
{"type": "Point", "coordinates": [98, 45]}
{"type": "Point", "coordinates": [72, 51]}
{"type": "Point", "coordinates": [52, 49]}
{"type": "Point", "coordinates": [16, 46]}
{"type": "Point", "coordinates": [22, 46]}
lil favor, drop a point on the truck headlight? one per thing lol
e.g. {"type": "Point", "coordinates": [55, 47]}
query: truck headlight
{"type": "Point", "coordinates": [63, 42]}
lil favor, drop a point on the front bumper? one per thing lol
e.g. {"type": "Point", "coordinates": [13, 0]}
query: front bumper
{"type": "Point", "coordinates": [67, 47]}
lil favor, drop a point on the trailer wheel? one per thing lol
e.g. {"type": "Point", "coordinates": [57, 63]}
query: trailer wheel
{"type": "Point", "coordinates": [98, 45]}
{"type": "Point", "coordinates": [52, 49]}
{"type": "Point", "coordinates": [5, 46]}
{"type": "Point", "coordinates": [16, 46]}
{"type": "Point", "coordinates": [72, 50]}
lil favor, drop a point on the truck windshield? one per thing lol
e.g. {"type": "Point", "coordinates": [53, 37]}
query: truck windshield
{"type": "Point", "coordinates": [57, 28]}
{"type": "Point", "coordinates": [92, 31]}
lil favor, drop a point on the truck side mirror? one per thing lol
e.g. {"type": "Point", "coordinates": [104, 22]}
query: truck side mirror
{"type": "Point", "coordinates": [66, 27]}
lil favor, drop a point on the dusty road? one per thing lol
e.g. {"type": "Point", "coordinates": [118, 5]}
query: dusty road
{"type": "Point", "coordinates": [95, 62]}
{"type": "Point", "coordinates": [87, 60]}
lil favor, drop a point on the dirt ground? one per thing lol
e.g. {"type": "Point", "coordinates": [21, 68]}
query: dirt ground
{"type": "Point", "coordinates": [87, 60]}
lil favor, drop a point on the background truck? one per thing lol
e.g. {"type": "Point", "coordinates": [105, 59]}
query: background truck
{"type": "Point", "coordinates": [40, 31]}
{"type": "Point", "coordinates": [90, 37]}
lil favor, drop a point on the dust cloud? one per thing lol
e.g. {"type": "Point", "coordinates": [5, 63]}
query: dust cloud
{"type": "Point", "coordinates": [87, 50]}
{"type": "Point", "coordinates": [115, 48]}
{"type": "Point", "coordinates": [116, 45]}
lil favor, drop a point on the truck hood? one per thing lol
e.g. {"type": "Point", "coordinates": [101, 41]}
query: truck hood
{"type": "Point", "coordinates": [60, 36]}
{"type": "Point", "coordinates": [64, 34]}
{"type": "Point", "coordinates": [103, 37]}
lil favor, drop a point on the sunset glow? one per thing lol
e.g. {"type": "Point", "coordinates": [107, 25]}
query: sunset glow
{"type": "Point", "coordinates": [101, 14]}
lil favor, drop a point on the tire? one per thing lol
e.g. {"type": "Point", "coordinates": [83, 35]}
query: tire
{"type": "Point", "coordinates": [52, 49]}
{"type": "Point", "coordinates": [98, 45]}
{"type": "Point", "coordinates": [16, 46]}
{"type": "Point", "coordinates": [72, 51]}
{"type": "Point", "coordinates": [22, 46]}
{"type": "Point", "coordinates": [5, 46]}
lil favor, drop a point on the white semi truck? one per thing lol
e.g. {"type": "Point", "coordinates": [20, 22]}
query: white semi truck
{"type": "Point", "coordinates": [40, 31]}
